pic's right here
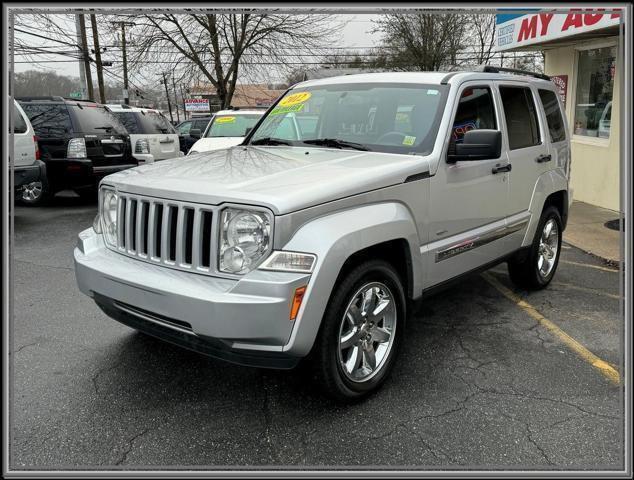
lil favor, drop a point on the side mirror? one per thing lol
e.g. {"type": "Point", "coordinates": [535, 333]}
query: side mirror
{"type": "Point", "coordinates": [195, 133]}
{"type": "Point", "coordinates": [477, 145]}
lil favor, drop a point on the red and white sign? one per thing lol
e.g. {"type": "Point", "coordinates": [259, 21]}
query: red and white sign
{"type": "Point", "coordinates": [196, 104]}
{"type": "Point", "coordinates": [543, 27]}
{"type": "Point", "coordinates": [561, 82]}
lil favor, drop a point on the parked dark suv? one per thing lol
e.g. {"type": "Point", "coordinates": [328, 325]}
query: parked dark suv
{"type": "Point", "coordinates": [80, 142]}
{"type": "Point", "coordinates": [184, 129]}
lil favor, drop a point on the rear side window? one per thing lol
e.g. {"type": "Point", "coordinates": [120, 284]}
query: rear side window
{"type": "Point", "coordinates": [48, 120]}
{"type": "Point", "coordinates": [521, 117]}
{"type": "Point", "coordinates": [553, 115]}
{"type": "Point", "coordinates": [129, 121]}
{"type": "Point", "coordinates": [475, 112]}
{"type": "Point", "coordinates": [157, 123]}
{"type": "Point", "coordinates": [19, 125]}
{"type": "Point", "coordinates": [97, 120]}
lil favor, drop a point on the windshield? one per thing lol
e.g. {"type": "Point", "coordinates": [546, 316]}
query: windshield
{"type": "Point", "coordinates": [397, 118]}
{"type": "Point", "coordinates": [232, 125]}
{"type": "Point", "coordinates": [96, 119]}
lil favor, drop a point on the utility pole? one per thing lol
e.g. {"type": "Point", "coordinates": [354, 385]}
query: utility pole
{"type": "Point", "coordinates": [82, 73]}
{"type": "Point", "coordinates": [178, 117]}
{"type": "Point", "coordinates": [86, 58]}
{"type": "Point", "coordinates": [95, 38]}
{"type": "Point", "coordinates": [183, 100]}
{"type": "Point", "coordinates": [126, 96]}
{"type": "Point", "coordinates": [167, 94]}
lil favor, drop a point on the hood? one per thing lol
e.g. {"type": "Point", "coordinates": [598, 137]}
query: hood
{"type": "Point", "coordinates": [209, 144]}
{"type": "Point", "coordinates": [284, 179]}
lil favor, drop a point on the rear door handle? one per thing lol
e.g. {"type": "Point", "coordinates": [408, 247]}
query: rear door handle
{"type": "Point", "coordinates": [503, 168]}
{"type": "Point", "coordinates": [543, 158]}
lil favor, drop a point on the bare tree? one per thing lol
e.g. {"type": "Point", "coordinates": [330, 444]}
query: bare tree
{"type": "Point", "coordinates": [221, 46]}
{"type": "Point", "coordinates": [417, 40]}
{"type": "Point", "coordinates": [482, 27]}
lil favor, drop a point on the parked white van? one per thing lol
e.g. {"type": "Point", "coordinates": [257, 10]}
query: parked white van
{"type": "Point", "coordinates": [152, 136]}
{"type": "Point", "coordinates": [29, 171]}
{"type": "Point", "coordinates": [227, 129]}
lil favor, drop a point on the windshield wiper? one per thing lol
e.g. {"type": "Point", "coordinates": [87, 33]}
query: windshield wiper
{"type": "Point", "coordinates": [270, 141]}
{"type": "Point", "coordinates": [336, 143]}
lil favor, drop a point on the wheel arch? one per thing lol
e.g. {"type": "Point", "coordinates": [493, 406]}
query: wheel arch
{"type": "Point", "coordinates": [343, 239]}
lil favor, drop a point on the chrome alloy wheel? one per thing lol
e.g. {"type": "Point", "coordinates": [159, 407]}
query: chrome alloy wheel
{"type": "Point", "coordinates": [367, 332]}
{"type": "Point", "coordinates": [31, 192]}
{"type": "Point", "coordinates": [548, 247]}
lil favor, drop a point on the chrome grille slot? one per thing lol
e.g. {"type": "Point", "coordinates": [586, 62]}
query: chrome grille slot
{"type": "Point", "coordinates": [165, 232]}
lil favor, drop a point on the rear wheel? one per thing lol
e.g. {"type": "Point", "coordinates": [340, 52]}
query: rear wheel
{"type": "Point", "coordinates": [33, 194]}
{"type": "Point", "coordinates": [361, 331]}
{"type": "Point", "coordinates": [538, 268]}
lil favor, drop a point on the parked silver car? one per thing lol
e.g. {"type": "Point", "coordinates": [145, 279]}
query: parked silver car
{"type": "Point", "coordinates": [315, 241]}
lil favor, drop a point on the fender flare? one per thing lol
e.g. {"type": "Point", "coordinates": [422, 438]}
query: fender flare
{"type": "Point", "coordinates": [548, 183]}
{"type": "Point", "coordinates": [334, 238]}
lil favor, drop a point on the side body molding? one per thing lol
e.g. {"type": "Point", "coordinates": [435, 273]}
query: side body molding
{"type": "Point", "coordinates": [334, 238]}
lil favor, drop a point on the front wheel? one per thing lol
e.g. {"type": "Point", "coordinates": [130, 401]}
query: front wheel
{"type": "Point", "coordinates": [538, 268]}
{"type": "Point", "coordinates": [361, 331]}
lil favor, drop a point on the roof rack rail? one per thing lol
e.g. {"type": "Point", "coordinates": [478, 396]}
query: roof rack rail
{"type": "Point", "coordinates": [51, 98]}
{"type": "Point", "coordinates": [492, 69]}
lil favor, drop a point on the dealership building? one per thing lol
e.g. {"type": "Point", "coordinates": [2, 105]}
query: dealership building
{"type": "Point", "coordinates": [583, 57]}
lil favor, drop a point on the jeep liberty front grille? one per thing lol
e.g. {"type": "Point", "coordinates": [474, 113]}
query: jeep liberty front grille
{"type": "Point", "coordinates": [166, 232]}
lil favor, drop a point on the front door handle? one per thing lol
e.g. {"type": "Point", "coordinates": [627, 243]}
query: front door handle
{"type": "Point", "coordinates": [501, 168]}
{"type": "Point", "coordinates": [543, 158]}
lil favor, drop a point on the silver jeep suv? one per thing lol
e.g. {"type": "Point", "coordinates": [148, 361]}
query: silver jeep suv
{"type": "Point", "coordinates": [352, 198]}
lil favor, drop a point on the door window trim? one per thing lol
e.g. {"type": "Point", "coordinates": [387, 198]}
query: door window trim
{"type": "Point", "coordinates": [454, 110]}
{"type": "Point", "coordinates": [540, 122]}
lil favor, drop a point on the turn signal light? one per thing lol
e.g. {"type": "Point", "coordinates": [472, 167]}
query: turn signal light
{"type": "Point", "coordinates": [297, 302]}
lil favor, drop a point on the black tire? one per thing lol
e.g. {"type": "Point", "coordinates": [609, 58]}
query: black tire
{"type": "Point", "coordinates": [325, 359]}
{"type": "Point", "coordinates": [525, 272]}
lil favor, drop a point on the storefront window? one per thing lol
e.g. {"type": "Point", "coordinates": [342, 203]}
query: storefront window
{"type": "Point", "coordinates": [595, 83]}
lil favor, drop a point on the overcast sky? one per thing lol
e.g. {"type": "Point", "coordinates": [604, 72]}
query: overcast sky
{"type": "Point", "coordinates": [356, 33]}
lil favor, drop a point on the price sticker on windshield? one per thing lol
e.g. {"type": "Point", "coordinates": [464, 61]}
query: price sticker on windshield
{"type": "Point", "coordinates": [225, 119]}
{"type": "Point", "coordinates": [409, 141]}
{"type": "Point", "coordinates": [294, 99]}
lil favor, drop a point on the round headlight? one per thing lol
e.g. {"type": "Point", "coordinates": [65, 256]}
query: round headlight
{"type": "Point", "coordinates": [245, 239]}
{"type": "Point", "coordinates": [109, 215]}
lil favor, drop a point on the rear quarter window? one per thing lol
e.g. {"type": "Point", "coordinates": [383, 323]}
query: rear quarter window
{"type": "Point", "coordinates": [48, 120]}
{"type": "Point", "coordinates": [19, 125]}
{"type": "Point", "coordinates": [554, 118]}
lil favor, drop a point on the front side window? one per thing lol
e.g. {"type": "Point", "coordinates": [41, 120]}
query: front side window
{"type": "Point", "coordinates": [48, 120]}
{"type": "Point", "coordinates": [384, 117]}
{"type": "Point", "coordinates": [521, 117]}
{"type": "Point", "coordinates": [19, 125]}
{"type": "Point", "coordinates": [475, 112]}
{"type": "Point", "coordinates": [553, 115]}
{"type": "Point", "coordinates": [595, 86]}
{"type": "Point", "coordinates": [231, 125]}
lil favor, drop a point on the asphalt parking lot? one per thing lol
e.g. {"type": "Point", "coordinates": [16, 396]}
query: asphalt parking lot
{"type": "Point", "coordinates": [480, 382]}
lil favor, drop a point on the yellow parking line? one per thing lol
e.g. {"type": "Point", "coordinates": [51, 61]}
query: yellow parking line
{"type": "Point", "coordinates": [586, 289]}
{"type": "Point", "coordinates": [604, 367]}
{"type": "Point", "coordinates": [587, 265]}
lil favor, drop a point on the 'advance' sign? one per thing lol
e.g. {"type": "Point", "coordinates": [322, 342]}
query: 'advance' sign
{"type": "Point", "coordinates": [542, 27]}
{"type": "Point", "coordinates": [196, 104]}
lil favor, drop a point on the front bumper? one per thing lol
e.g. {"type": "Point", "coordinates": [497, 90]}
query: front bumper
{"type": "Point", "coordinates": [23, 175]}
{"type": "Point", "coordinates": [243, 321]}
